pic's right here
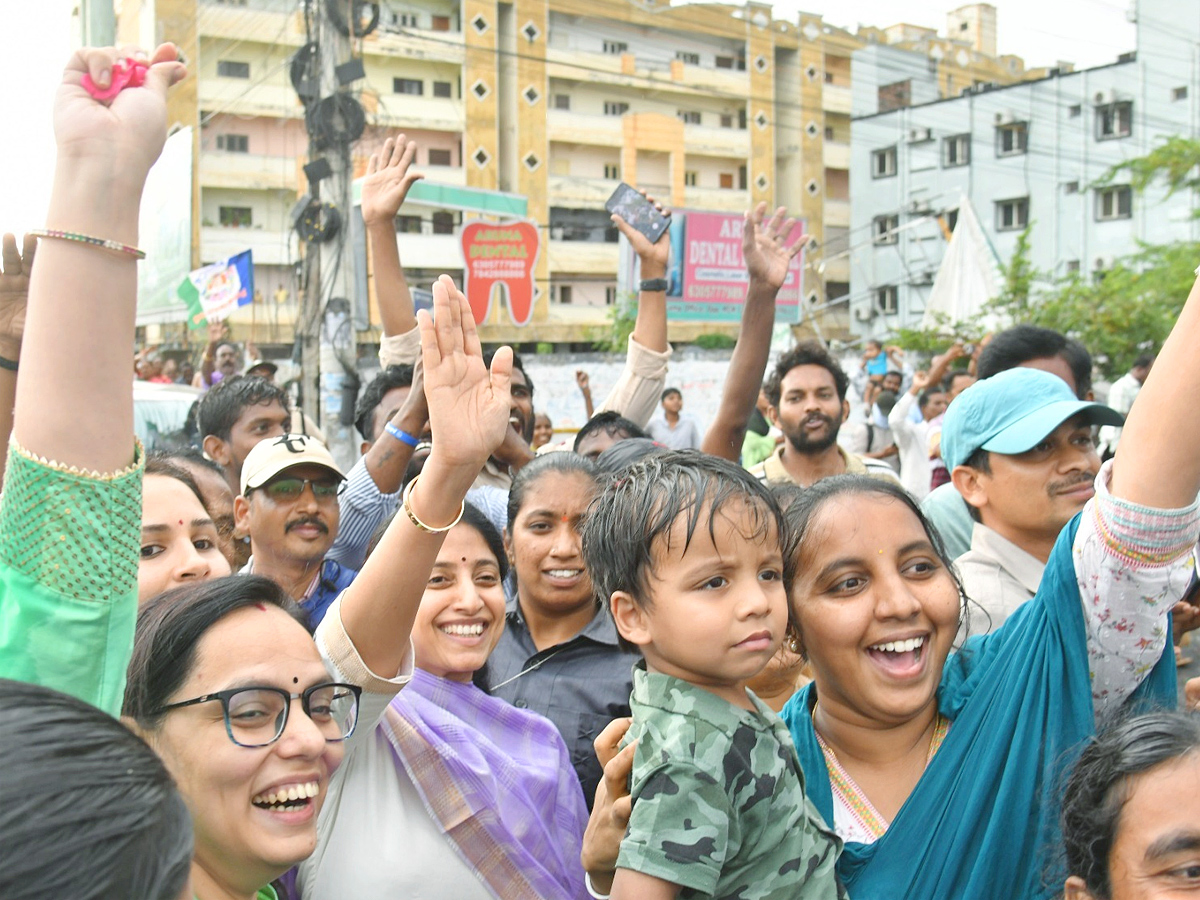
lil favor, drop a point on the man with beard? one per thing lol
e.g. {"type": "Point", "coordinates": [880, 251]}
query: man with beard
{"type": "Point", "coordinates": [289, 507]}
{"type": "Point", "coordinates": [807, 397]}
{"type": "Point", "coordinates": [1020, 452]}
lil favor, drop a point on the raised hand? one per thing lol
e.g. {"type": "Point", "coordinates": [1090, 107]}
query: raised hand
{"type": "Point", "coordinates": [654, 256]}
{"type": "Point", "coordinates": [14, 292]}
{"type": "Point", "coordinates": [581, 379]}
{"type": "Point", "coordinates": [131, 127]}
{"type": "Point", "coordinates": [767, 259]}
{"type": "Point", "coordinates": [468, 406]}
{"type": "Point", "coordinates": [388, 180]}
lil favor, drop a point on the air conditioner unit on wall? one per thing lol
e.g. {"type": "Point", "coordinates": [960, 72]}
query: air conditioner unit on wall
{"type": "Point", "coordinates": [918, 208]}
{"type": "Point", "coordinates": [1006, 117]}
{"type": "Point", "coordinates": [1101, 263]}
{"type": "Point", "coordinates": [1103, 98]}
{"type": "Point", "coordinates": [919, 135]}
{"type": "Point", "coordinates": [865, 314]}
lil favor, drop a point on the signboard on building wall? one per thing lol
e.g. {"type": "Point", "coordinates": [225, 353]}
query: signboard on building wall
{"type": "Point", "coordinates": [500, 256]}
{"type": "Point", "coordinates": [165, 232]}
{"type": "Point", "coordinates": [709, 277]}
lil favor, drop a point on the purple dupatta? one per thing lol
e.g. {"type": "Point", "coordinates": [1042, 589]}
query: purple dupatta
{"type": "Point", "coordinates": [498, 781]}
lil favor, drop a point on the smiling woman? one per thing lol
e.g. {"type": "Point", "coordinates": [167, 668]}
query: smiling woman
{"type": "Point", "coordinates": [559, 654]}
{"type": "Point", "coordinates": [444, 750]}
{"type": "Point", "coordinates": [180, 544]}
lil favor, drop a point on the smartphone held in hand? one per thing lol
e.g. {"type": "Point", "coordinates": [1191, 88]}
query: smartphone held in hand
{"type": "Point", "coordinates": [632, 206]}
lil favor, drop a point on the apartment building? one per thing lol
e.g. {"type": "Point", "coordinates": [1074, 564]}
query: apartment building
{"type": "Point", "coordinates": [708, 106]}
{"type": "Point", "coordinates": [1029, 153]}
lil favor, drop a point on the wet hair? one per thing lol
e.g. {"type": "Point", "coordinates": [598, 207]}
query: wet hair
{"type": "Point", "coordinates": [806, 353]}
{"type": "Point", "coordinates": [1018, 345]}
{"type": "Point", "coordinates": [804, 507]}
{"type": "Point", "coordinates": [626, 453]}
{"type": "Point", "coordinates": [611, 423]}
{"type": "Point", "coordinates": [225, 401]}
{"type": "Point", "coordinates": [89, 810]}
{"type": "Point", "coordinates": [638, 508]}
{"type": "Point", "coordinates": [1099, 786]}
{"type": "Point", "coordinates": [161, 464]}
{"type": "Point", "coordinates": [473, 517]}
{"type": "Point", "coordinates": [170, 627]}
{"type": "Point", "coordinates": [670, 391]}
{"type": "Point", "coordinates": [531, 472]}
{"type": "Point", "coordinates": [388, 380]}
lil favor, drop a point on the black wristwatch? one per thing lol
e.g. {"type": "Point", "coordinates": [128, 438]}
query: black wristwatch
{"type": "Point", "coordinates": [654, 284]}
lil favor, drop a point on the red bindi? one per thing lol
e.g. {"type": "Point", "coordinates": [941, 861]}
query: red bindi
{"type": "Point", "coordinates": [261, 606]}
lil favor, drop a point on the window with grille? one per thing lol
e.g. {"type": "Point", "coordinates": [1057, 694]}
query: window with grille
{"type": "Point", "coordinates": [440, 158]}
{"type": "Point", "coordinates": [884, 229]}
{"type": "Point", "coordinates": [413, 86]}
{"type": "Point", "coordinates": [1012, 215]}
{"type": "Point", "coordinates": [227, 68]}
{"type": "Point", "coordinates": [1114, 120]}
{"type": "Point", "coordinates": [236, 216]}
{"type": "Point", "coordinates": [615, 108]}
{"type": "Point", "coordinates": [1012, 139]}
{"type": "Point", "coordinates": [883, 162]}
{"type": "Point", "coordinates": [233, 143]}
{"type": "Point", "coordinates": [1115, 202]}
{"type": "Point", "coordinates": [956, 150]}
{"type": "Point", "coordinates": [443, 89]}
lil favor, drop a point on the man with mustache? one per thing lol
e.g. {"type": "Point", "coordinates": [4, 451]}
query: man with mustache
{"type": "Point", "coordinates": [289, 507]}
{"type": "Point", "coordinates": [807, 397]}
{"type": "Point", "coordinates": [1020, 452]}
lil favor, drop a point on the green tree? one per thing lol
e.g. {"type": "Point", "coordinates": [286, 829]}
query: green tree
{"type": "Point", "coordinates": [1176, 160]}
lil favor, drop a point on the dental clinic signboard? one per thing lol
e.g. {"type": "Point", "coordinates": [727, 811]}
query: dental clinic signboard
{"type": "Point", "coordinates": [708, 272]}
{"type": "Point", "coordinates": [500, 257]}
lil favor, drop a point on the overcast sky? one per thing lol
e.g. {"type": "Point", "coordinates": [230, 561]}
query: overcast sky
{"type": "Point", "coordinates": [35, 42]}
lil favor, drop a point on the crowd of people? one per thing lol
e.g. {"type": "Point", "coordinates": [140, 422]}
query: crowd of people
{"type": "Point", "coordinates": [757, 662]}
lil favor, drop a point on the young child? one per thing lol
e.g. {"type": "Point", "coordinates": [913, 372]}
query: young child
{"type": "Point", "coordinates": [686, 548]}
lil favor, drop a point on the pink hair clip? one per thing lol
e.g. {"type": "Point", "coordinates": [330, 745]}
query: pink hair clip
{"type": "Point", "coordinates": [128, 72]}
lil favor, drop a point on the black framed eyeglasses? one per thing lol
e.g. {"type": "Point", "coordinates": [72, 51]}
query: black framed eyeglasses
{"type": "Point", "coordinates": [257, 716]}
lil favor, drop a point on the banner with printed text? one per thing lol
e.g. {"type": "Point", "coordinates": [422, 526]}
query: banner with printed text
{"type": "Point", "coordinates": [708, 255]}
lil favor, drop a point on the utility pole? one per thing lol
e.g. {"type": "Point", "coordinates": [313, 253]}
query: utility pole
{"type": "Point", "coordinates": [325, 330]}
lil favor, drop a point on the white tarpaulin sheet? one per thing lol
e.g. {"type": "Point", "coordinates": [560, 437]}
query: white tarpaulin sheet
{"type": "Point", "coordinates": [969, 275]}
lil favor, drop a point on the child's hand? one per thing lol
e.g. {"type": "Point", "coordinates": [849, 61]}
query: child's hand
{"type": "Point", "coordinates": [610, 814]}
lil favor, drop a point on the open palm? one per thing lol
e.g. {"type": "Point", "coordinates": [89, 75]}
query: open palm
{"type": "Point", "coordinates": [14, 292]}
{"type": "Point", "coordinates": [468, 406]}
{"type": "Point", "coordinates": [388, 179]}
{"type": "Point", "coordinates": [767, 259]}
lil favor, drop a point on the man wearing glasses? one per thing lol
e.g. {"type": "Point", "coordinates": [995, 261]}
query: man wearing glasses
{"type": "Point", "coordinates": [289, 507]}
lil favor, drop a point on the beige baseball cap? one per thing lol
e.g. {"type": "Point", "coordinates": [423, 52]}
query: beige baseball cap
{"type": "Point", "coordinates": [272, 455]}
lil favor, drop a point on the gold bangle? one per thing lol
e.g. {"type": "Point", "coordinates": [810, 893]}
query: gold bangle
{"type": "Point", "coordinates": [412, 516]}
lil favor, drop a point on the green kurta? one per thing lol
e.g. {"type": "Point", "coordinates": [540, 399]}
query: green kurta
{"type": "Point", "coordinates": [69, 546]}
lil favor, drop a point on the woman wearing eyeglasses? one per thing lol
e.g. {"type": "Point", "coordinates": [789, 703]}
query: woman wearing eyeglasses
{"type": "Point", "coordinates": [250, 714]}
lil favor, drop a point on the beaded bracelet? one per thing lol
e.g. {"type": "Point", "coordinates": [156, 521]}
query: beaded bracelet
{"type": "Point", "coordinates": [10, 364]}
{"type": "Point", "coordinates": [406, 497]}
{"type": "Point", "coordinates": [401, 435]}
{"type": "Point", "coordinates": [88, 239]}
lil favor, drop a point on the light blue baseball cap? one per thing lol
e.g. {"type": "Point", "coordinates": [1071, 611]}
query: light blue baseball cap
{"type": "Point", "coordinates": [1011, 412]}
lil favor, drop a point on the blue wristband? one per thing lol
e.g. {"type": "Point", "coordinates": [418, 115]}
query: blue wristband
{"type": "Point", "coordinates": [401, 435]}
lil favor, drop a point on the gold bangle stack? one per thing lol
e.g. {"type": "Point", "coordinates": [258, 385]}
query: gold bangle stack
{"type": "Point", "coordinates": [412, 516]}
